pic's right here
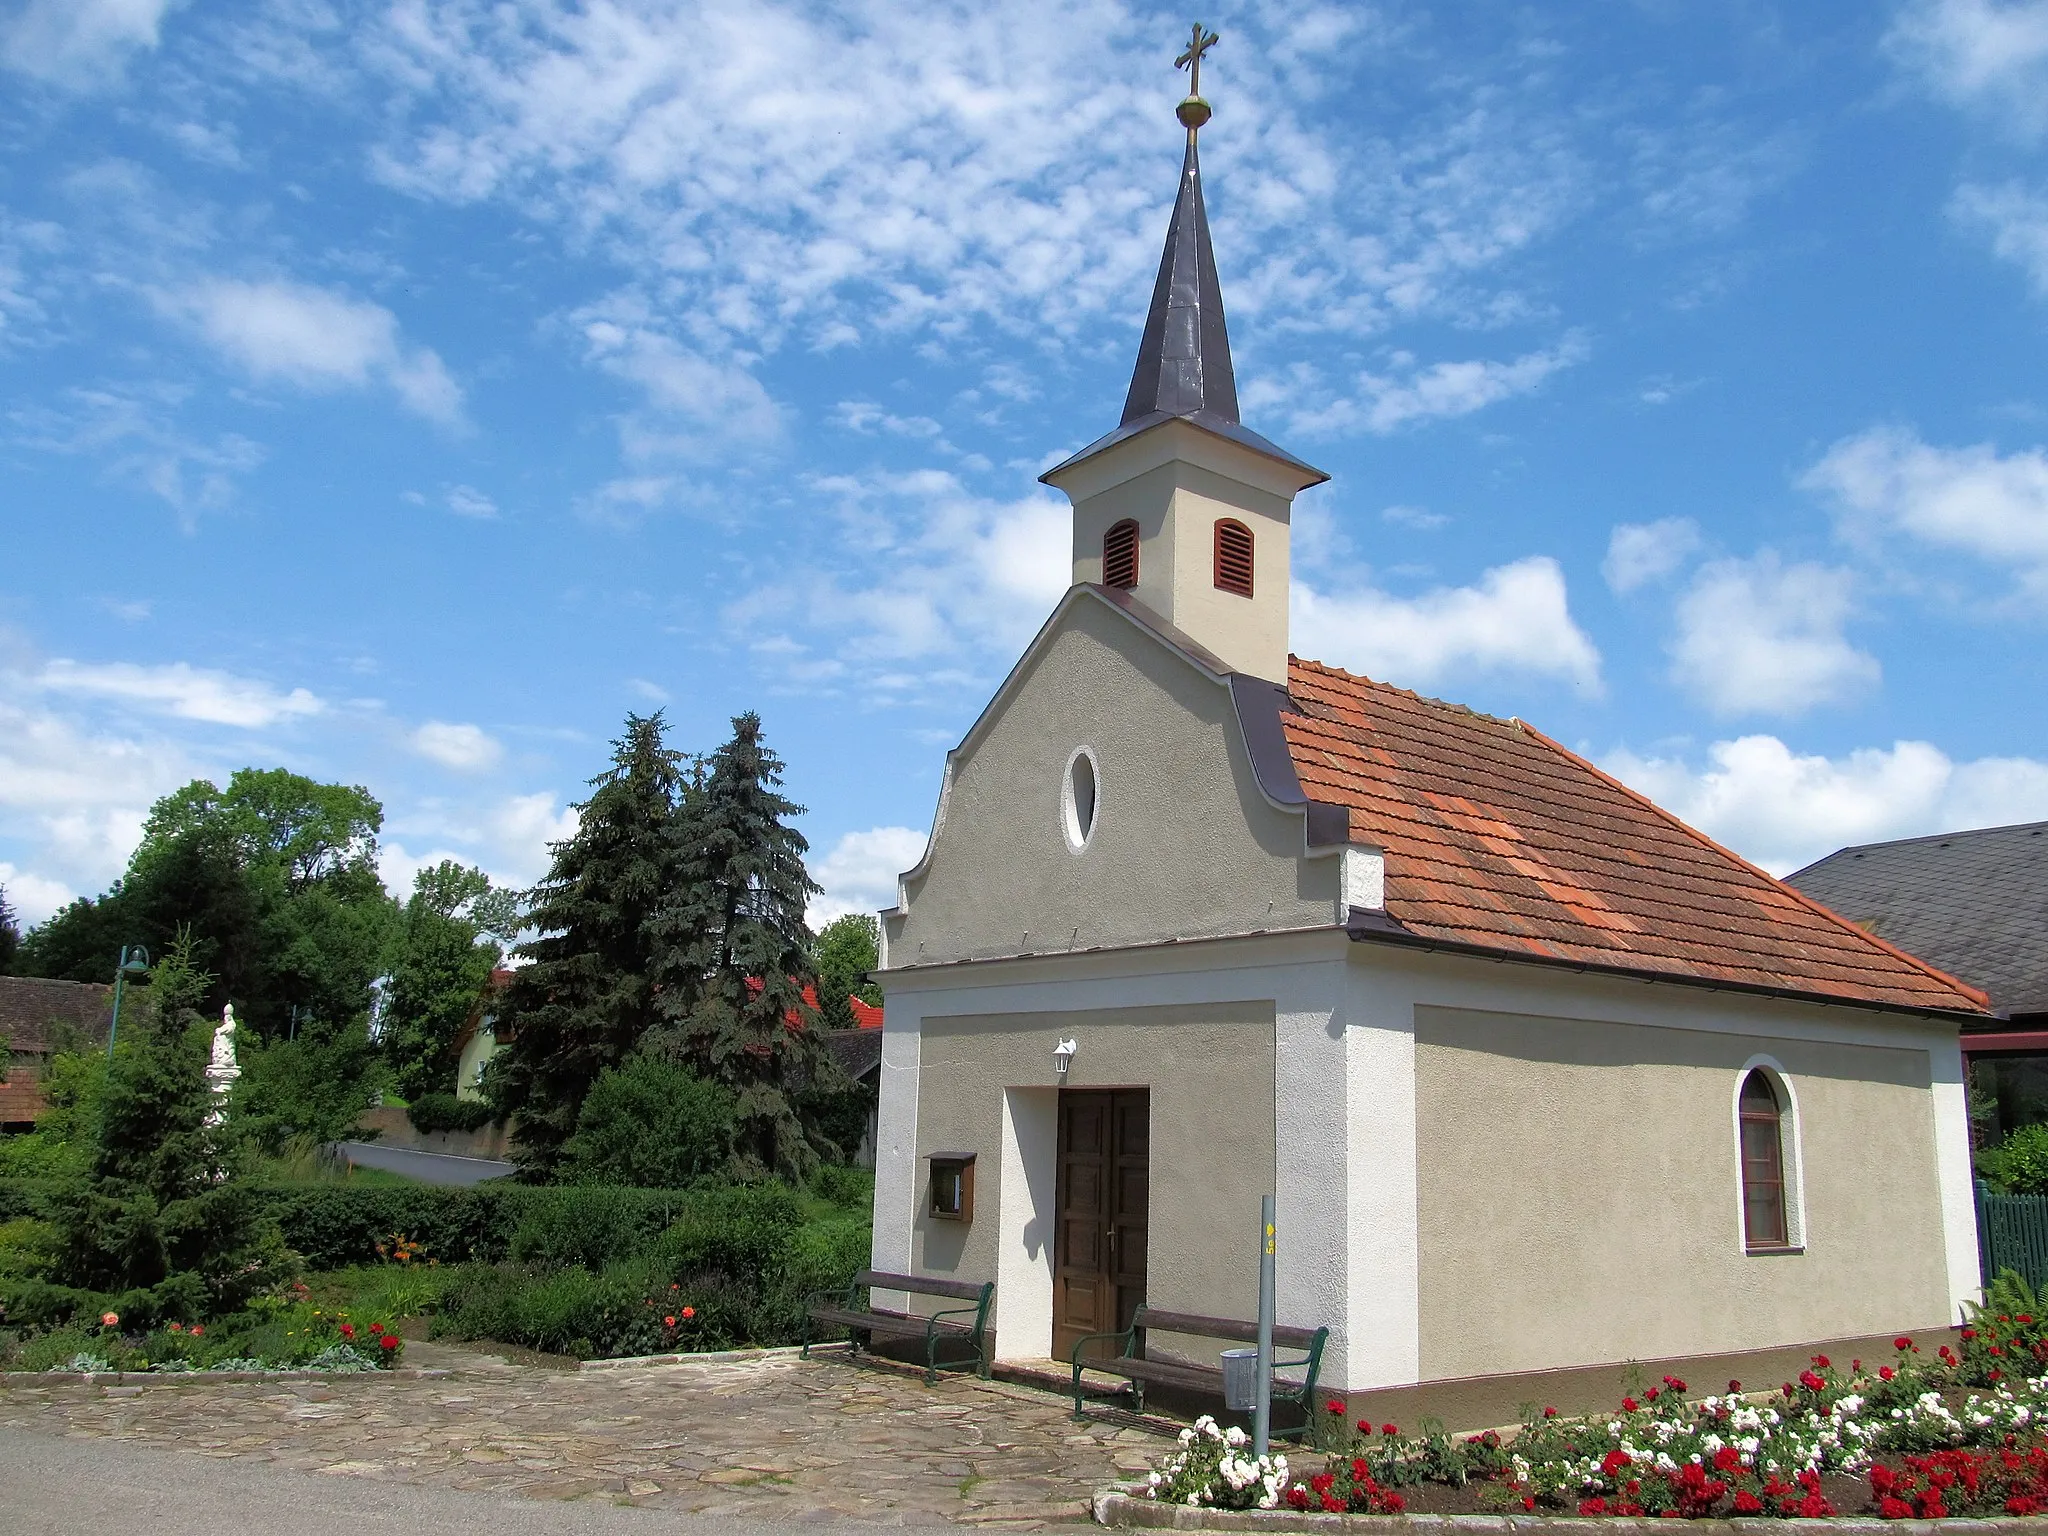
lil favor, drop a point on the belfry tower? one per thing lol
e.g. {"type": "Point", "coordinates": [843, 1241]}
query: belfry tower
{"type": "Point", "coordinates": [1183, 507]}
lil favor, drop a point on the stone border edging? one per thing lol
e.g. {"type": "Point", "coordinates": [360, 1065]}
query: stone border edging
{"type": "Point", "coordinates": [137, 1378]}
{"type": "Point", "coordinates": [709, 1357]}
{"type": "Point", "coordinates": [1117, 1507]}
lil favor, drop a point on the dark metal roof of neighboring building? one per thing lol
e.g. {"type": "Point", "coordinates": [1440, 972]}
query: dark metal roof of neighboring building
{"type": "Point", "coordinates": [858, 1051]}
{"type": "Point", "coordinates": [35, 1011]}
{"type": "Point", "coordinates": [1974, 903]}
{"type": "Point", "coordinates": [1498, 839]}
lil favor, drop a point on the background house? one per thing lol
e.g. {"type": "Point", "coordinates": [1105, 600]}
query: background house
{"type": "Point", "coordinates": [1976, 904]}
{"type": "Point", "coordinates": [37, 1019]}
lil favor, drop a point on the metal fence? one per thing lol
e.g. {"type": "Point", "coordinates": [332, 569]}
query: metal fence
{"type": "Point", "coordinates": [2012, 1233]}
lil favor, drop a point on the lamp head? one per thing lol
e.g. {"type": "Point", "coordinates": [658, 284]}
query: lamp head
{"type": "Point", "coordinates": [1063, 1055]}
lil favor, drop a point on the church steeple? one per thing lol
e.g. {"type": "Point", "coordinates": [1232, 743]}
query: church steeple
{"type": "Point", "coordinates": [1184, 359]}
{"type": "Point", "coordinates": [1182, 509]}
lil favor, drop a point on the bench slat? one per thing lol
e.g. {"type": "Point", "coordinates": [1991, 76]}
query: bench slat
{"type": "Point", "coordinates": [919, 1285]}
{"type": "Point", "coordinates": [1152, 1318]}
{"type": "Point", "coordinates": [887, 1322]}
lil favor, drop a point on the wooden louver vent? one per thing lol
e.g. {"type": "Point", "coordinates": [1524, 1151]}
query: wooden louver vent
{"type": "Point", "coordinates": [1233, 557]}
{"type": "Point", "coordinates": [1120, 555]}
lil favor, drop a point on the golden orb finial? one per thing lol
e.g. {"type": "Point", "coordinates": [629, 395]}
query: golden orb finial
{"type": "Point", "coordinates": [1193, 111]}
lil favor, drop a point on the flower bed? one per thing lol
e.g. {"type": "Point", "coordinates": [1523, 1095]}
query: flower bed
{"type": "Point", "coordinates": [290, 1335]}
{"type": "Point", "coordinates": [1963, 1432]}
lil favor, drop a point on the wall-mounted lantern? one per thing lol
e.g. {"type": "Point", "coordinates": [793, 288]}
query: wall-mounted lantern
{"type": "Point", "coordinates": [1063, 1056]}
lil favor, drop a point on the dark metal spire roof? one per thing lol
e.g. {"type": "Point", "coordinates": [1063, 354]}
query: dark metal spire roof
{"type": "Point", "coordinates": [1183, 370]}
{"type": "Point", "coordinates": [1184, 359]}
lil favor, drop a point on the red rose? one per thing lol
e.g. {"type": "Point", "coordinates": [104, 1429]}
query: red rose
{"type": "Point", "coordinates": [2027, 1318]}
{"type": "Point", "coordinates": [1390, 1429]}
{"type": "Point", "coordinates": [1821, 1361]}
{"type": "Point", "coordinates": [1297, 1497]}
{"type": "Point", "coordinates": [1550, 1413]}
{"type": "Point", "coordinates": [389, 1341]}
{"type": "Point", "coordinates": [669, 1321]}
{"type": "Point", "coordinates": [1969, 1333]}
{"type": "Point", "coordinates": [1747, 1503]}
{"type": "Point", "coordinates": [688, 1313]}
{"type": "Point", "coordinates": [1650, 1396]}
{"type": "Point", "coordinates": [1629, 1405]}
{"type": "Point", "coordinates": [1902, 1343]}
{"type": "Point", "coordinates": [1615, 1463]}
{"type": "Point", "coordinates": [348, 1330]}
{"type": "Point", "coordinates": [1333, 1406]}
{"type": "Point", "coordinates": [1734, 1386]}
{"type": "Point", "coordinates": [1726, 1459]}
{"type": "Point", "coordinates": [1593, 1506]}
{"type": "Point", "coordinates": [1811, 1382]}
{"type": "Point", "coordinates": [1885, 1373]}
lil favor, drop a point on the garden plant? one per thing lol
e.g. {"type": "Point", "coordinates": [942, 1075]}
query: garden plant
{"type": "Point", "coordinates": [1960, 1431]}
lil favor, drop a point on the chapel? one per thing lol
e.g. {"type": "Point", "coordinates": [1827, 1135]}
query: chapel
{"type": "Point", "coordinates": [1543, 1079]}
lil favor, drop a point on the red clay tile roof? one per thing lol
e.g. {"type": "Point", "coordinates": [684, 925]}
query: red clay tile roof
{"type": "Point", "coordinates": [1496, 836]}
{"type": "Point", "coordinates": [865, 1015]}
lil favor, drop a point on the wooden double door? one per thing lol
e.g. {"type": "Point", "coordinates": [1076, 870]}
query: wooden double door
{"type": "Point", "coordinates": [1105, 1172]}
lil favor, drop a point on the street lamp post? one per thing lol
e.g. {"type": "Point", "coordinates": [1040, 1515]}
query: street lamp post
{"type": "Point", "coordinates": [134, 962]}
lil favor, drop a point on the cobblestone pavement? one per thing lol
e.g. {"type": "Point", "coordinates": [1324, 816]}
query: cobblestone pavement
{"type": "Point", "coordinates": [767, 1438]}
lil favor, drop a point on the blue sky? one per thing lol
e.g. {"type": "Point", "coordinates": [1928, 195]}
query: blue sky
{"type": "Point", "coordinates": [402, 393]}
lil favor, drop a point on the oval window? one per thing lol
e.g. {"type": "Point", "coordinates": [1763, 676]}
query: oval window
{"type": "Point", "coordinates": [1078, 798]}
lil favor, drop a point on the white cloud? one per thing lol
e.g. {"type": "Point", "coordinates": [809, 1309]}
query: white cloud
{"type": "Point", "coordinates": [1783, 810]}
{"type": "Point", "coordinates": [32, 897]}
{"type": "Point", "coordinates": [81, 44]}
{"type": "Point", "coordinates": [465, 748]}
{"type": "Point", "coordinates": [507, 839]}
{"type": "Point", "coordinates": [316, 339]}
{"type": "Point", "coordinates": [2014, 217]}
{"type": "Point", "coordinates": [182, 690]}
{"type": "Point", "coordinates": [1968, 499]}
{"type": "Point", "coordinates": [1645, 552]}
{"type": "Point", "coordinates": [1387, 402]}
{"type": "Point", "coordinates": [948, 573]}
{"type": "Point", "coordinates": [1760, 637]}
{"type": "Point", "coordinates": [132, 433]}
{"type": "Point", "coordinates": [466, 501]}
{"type": "Point", "coordinates": [1989, 54]}
{"type": "Point", "coordinates": [698, 403]}
{"type": "Point", "coordinates": [859, 874]}
{"type": "Point", "coordinates": [1419, 518]}
{"type": "Point", "coordinates": [1517, 619]}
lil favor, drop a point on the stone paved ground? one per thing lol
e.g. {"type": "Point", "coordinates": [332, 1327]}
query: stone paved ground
{"type": "Point", "coordinates": [771, 1438]}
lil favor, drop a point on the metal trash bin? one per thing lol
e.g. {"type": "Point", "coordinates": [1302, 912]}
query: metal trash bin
{"type": "Point", "coordinates": [1241, 1379]}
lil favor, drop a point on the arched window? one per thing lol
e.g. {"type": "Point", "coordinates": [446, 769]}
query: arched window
{"type": "Point", "coordinates": [1761, 1120]}
{"type": "Point", "coordinates": [1233, 556]}
{"type": "Point", "coordinates": [1120, 555]}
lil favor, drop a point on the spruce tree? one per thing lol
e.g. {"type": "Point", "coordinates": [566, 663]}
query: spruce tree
{"type": "Point", "coordinates": [586, 996]}
{"type": "Point", "coordinates": [158, 1224]}
{"type": "Point", "coordinates": [735, 954]}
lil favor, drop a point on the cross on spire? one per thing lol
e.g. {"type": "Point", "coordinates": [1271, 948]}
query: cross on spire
{"type": "Point", "coordinates": [1199, 43]}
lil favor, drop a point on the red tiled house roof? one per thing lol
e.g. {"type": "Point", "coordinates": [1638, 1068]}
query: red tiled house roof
{"type": "Point", "coordinates": [865, 1015]}
{"type": "Point", "coordinates": [1497, 837]}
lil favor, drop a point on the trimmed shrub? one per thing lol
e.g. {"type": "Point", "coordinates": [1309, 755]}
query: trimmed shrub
{"type": "Point", "coordinates": [649, 1123]}
{"type": "Point", "coordinates": [432, 1112]}
{"type": "Point", "coordinates": [591, 1227]}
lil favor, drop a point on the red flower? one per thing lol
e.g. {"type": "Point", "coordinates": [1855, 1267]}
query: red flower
{"type": "Point", "coordinates": [1528, 1501]}
{"type": "Point", "coordinates": [1902, 1343]}
{"type": "Point", "coordinates": [1810, 1381]}
{"type": "Point", "coordinates": [1390, 1429]}
{"type": "Point", "coordinates": [1297, 1497]}
{"type": "Point", "coordinates": [389, 1341]}
{"type": "Point", "coordinates": [1550, 1413]}
{"type": "Point", "coordinates": [1593, 1506]}
{"type": "Point", "coordinates": [1885, 1373]}
{"type": "Point", "coordinates": [1821, 1361]}
{"type": "Point", "coordinates": [1615, 1463]}
{"type": "Point", "coordinates": [1332, 1504]}
{"type": "Point", "coordinates": [1747, 1503]}
{"type": "Point", "coordinates": [1969, 1333]}
{"type": "Point", "coordinates": [688, 1313]}
{"type": "Point", "coordinates": [2027, 1318]}
{"type": "Point", "coordinates": [1650, 1396]}
{"type": "Point", "coordinates": [1726, 1459]}
{"type": "Point", "coordinates": [197, 1329]}
{"type": "Point", "coordinates": [1392, 1502]}
{"type": "Point", "coordinates": [669, 1321]}
{"type": "Point", "coordinates": [1629, 1405]}
{"type": "Point", "coordinates": [1996, 1350]}
{"type": "Point", "coordinates": [1889, 1507]}
{"type": "Point", "coordinates": [1788, 1389]}
{"type": "Point", "coordinates": [348, 1330]}
{"type": "Point", "coordinates": [1734, 1386]}
{"type": "Point", "coordinates": [1333, 1406]}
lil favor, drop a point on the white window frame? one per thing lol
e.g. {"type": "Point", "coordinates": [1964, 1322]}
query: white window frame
{"type": "Point", "coordinates": [1070, 814]}
{"type": "Point", "coordinates": [1791, 1150]}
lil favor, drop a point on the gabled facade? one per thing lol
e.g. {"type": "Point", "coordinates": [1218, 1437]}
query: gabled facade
{"type": "Point", "coordinates": [1541, 1078]}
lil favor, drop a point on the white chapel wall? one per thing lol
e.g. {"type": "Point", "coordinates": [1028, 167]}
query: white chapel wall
{"type": "Point", "coordinates": [1184, 844]}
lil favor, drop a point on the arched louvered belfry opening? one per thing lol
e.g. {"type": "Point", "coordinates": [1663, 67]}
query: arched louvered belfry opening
{"type": "Point", "coordinates": [1761, 1119]}
{"type": "Point", "coordinates": [1233, 557]}
{"type": "Point", "coordinates": [1120, 555]}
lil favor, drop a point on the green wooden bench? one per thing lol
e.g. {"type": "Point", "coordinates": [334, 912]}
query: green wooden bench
{"type": "Point", "coordinates": [1130, 1363]}
{"type": "Point", "coordinates": [844, 1308]}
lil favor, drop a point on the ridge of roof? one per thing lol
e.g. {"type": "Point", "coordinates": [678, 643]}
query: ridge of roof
{"type": "Point", "coordinates": [1981, 1000]}
{"type": "Point", "coordinates": [1972, 833]}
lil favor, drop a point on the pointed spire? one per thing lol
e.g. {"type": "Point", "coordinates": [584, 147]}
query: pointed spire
{"type": "Point", "coordinates": [1184, 358]}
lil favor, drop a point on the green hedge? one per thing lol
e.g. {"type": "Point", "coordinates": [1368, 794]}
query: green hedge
{"type": "Point", "coordinates": [335, 1225]}
{"type": "Point", "coordinates": [432, 1112]}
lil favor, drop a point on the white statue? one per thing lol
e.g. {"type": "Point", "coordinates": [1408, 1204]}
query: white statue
{"type": "Point", "coordinates": [222, 1071]}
